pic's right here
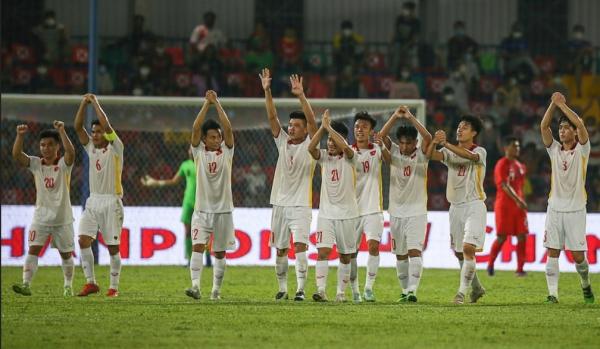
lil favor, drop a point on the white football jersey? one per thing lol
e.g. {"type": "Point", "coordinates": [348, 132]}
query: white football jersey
{"type": "Point", "coordinates": [338, 187]}
{"type": "Point", "coordinates": [569, 167]}
{"type": "Point", "coordinates": [105, 168]}
{"type": "Point", "coordinates": [292, 184]}
{"type": "Point", "coordinates": [465, 177]}
{"type": "Point", "coordinates": [408, 183]}
{"type": "Point", "coordinates": [52, 202]}
{"type": "Point", "coordinates": [369, 184]}
{"type": "Point", "coordinates": [213, 179]}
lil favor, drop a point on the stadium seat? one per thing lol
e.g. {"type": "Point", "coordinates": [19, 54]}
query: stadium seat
{"type": "Point", "coordinates": [23, 53]}
{"type": "Point", "coordinates": [22, 76]}
{"type": "Point", "coordinates": [79, 54]}
{"type": "Point", "coordinates": [176, 54]}
{"type": "Point", "coordinates": [76, 78]}
{"type": "Point", "coordinates": [546, 64]}
{"type": "Point", "coordinates": [538, 86]}
{"type": "Point", "coordinates": [435, 84]}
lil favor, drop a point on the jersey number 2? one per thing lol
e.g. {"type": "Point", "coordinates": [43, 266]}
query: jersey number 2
{"type": "Point", "coordinates": [49, 182]}
{"type": "Point", "coordinates": [335, 176]}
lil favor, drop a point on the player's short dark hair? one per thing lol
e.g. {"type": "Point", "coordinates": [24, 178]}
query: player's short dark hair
{"type": "Point", "coordinates": [364, 115]}
{"type": "Point", "coordinates": [210, 124]}
{"type": "Point", "coordinates": [297, 114]}
{"type": "Point", "coordinates": [409, 5]}
{"type": "Point", "coordinates": [50, 133]}
{"type": "Point", "coordinates": [474, 121]}
{"type": "Point", "coordinates": [407, 131]}
{"type": "Point", "coordinates": [340, 128]}
{"type": "Point", "coordinates": [347, 24]}
{"type": "Point", "coordinates": [510, 139]}
{"type": "Point", "coordinates": [96, 122]}
{"type": "Point", "coordinates": [564, 118]}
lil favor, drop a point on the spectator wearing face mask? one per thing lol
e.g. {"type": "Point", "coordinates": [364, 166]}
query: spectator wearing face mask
{"type": "Point", "coordinates": [516, 59]}
{"type": "Point", "coordinates": [579, 57]}
{"type": "Point", "coordinates": [347, 46]}
{"type": "Point", "coordinates": [53, 37]}
{"type": "Point", "coordinates": [143, 84]}
{"type": "Point", "coordinates": [507, 97]}
{"type": "Point", "coordinates": [459, 85]}
{"type": "Point", "coordinates": [460, 45]}
{"type": "Point", "coordinates": [406, 30]}
{"type": "Point", "coordinates": [206, 34]}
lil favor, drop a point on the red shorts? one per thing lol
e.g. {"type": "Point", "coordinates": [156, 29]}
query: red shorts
{"type": "Point", "coordinates": [511, 221]}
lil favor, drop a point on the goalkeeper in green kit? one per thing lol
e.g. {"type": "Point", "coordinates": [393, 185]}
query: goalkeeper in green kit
{"type": "Point", "coordinates": [186, 170]}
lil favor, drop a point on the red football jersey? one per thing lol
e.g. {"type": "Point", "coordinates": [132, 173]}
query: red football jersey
{"type": "Point", "coordinates": [513, 172]}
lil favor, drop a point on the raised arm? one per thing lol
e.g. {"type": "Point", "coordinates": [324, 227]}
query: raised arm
{"type": "Point", "coordinates": [17, 150]}
{"type": "Point", "coordinates": [66, 142]}
{"type": "Point", "coordinates": [197, 127]}
{"type": "Point", "coordinates": [313, 146]}
{"type": "Point", "coordinates": [265, 78]}
{"type": "Point", "coordinates": [561, 103]}
{"type": "Point", "coordinates": [298, 91]}
{"type": "Point", "coordinates": [432, 153]}
{"type": "Point", "coordinates": [425, 135]}
{"type": "Point", "coordinates": [385, 152]}
{"type": "Point", "coordinates": [545, 125]}
{"type": "Point", "coordinates": [101, 115]}
{"type": "Point", "coordinates": [225, 123]}
{"type": "Point", "coordinates": [82, 134]}
{"type": "Point", "coordinates": [339, 141]}
{"type": "Point", "coordinates": [385, 130]}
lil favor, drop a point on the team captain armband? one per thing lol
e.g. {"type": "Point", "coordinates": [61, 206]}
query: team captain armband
{"type": "Point", "coordinates": [110, 136]}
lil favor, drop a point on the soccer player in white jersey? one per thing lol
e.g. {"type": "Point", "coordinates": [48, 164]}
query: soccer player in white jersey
{"type": "Point", "coordinates": [566, 216]}
{"type": "Point", "coordinates": [338, 220]}
{"type": "Point", "coordinates": [464, 190]}
{"type": "Point", "coordinates": [53, 215]}
{"type": "Point", "coordinates": [291, 194]}
{"type": "Point", "coordinates": [212, 149]}
{"type": "Point", "coordinates": [408, 198]}
{"type": "Point", "coordinates": [103, 209]}
{"type": "Point", "coordinates": [369, 192]}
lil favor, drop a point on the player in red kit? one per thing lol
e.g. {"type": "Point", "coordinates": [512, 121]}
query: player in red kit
{"type": "Point", "coordinates": [510, 206]}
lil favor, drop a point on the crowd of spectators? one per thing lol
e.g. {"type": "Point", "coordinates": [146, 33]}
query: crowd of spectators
{"type": "Point", "coordinates": [505, 84]}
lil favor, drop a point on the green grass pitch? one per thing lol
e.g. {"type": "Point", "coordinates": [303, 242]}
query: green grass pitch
{"type": "Point", "coordinates": [153, 311]}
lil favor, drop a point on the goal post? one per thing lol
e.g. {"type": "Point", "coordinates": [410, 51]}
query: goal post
{"type": "Point", "coordinates": [177, 113]}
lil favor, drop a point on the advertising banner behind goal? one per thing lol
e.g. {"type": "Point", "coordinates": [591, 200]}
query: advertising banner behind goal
{"type": "Point", "coordinates": [155, 236]}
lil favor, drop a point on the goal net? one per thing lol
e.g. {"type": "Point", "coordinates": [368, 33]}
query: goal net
{"type": "Point", "coordinates": [156, 132]}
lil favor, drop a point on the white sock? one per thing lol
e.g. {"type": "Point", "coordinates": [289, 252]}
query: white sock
{"type": "Point", "coordinates": [583, 270]}
{"type": "Point", "coordinates": [321, 271]}
{"type": "Point", "coordinates": [218, 273]}
{"type": "Point", "coordinates": [29, 268]}
{"type": "Point", "coordinates": [87, 263]}
{"type": "Point", "coordinates": [115, 270]}
{"type": "Point", "coordinates": [301, 270]}
{"type": "Point", "coordinates": [552, 273]}
{"type": "Point", "coordinates": [196, 264]}
{"type": "Point", "coordinates": [415, 268]}
{"type": "Point", "coordinates": [372, 267]}
{"type": "Point", "coordinates": [475, 283]}
{"type": "Point", "coordinates": [354, 275]}
{"type": "Point", "coordinates": [402, 272]}
{"type": "Point", "coordinates": [467, 273]}
{"type": "Point", "coordinates": [281, 269]}
{"type": "Point", "coordinates": [68, 266]}
{"type": "Point", "coordinates": [343, 277]}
